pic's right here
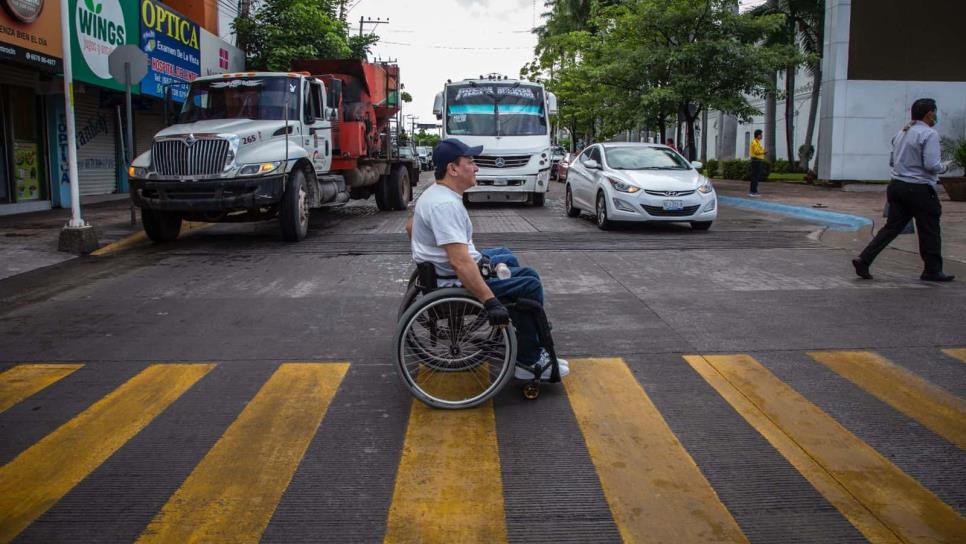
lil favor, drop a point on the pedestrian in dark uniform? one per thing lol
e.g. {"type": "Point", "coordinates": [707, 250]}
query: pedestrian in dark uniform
{"type": "Point", "coordinates": [916, 166]}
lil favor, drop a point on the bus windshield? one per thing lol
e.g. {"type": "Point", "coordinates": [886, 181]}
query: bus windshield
{"type": "Point", "coordinates": [495, 109]}
{"type": "Point", "coordinates": [257, 98]}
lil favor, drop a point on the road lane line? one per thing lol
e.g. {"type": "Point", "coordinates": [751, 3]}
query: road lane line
{"type": "Point", "coordinates": [654, 488]}
{"type": "Point", "coordinates": [896, 500]}
{"type": "Point", "coordinates": [22, 381]}
{"type": "Point", "coordinates": [449, 487]}
{"type": "Point", "coordinates": [937, 409]}
{"type": "Point", "coordinates": [959, 353]}
{"type": "Point", "coordinates": [233, 492]}
{"type": "Point", "coordinates": [840, 497]}
{"type": "Point", "coordinates": [37, 478]}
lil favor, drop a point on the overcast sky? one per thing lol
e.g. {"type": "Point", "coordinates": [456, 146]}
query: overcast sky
{"type": "Point", "coordinates": [436, 40]}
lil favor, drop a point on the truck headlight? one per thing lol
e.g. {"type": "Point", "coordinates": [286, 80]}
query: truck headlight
{"type": "Point", "coordinates": [229, 159]}
{"type": "Point", "coordinates": [258, 169]}
{"type": "Point", "coordinates": [136, 172]}
{"type": "Point", "coordinates": [622, 186]}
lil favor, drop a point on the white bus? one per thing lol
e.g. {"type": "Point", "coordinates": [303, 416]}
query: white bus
{"type": "Point", "coordinates": [511, 120]}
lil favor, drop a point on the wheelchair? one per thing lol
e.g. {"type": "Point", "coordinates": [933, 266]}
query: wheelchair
{"type": "Point", "coordinates": [449, 356]}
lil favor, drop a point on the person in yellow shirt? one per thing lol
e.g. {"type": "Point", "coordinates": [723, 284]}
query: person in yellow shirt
{"type": "Point", "coordinates": [757, 152]}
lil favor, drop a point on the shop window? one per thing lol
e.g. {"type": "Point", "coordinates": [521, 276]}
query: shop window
{"type": "Point", "coordinates": [27, 153]}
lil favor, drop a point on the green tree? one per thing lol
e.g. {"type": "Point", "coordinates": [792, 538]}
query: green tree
{"type": "Point", "coordinates": [423, 139]}
{"type": "Point", "coordinates": [282, 30]}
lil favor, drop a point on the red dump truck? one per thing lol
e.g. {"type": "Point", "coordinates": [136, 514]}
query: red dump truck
{"type": "Point", "coordinates": [258, 145]}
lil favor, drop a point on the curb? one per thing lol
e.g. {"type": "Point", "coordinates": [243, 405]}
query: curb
{"type": "Point", "coordinates": [140, 238]}
{"type": "Point", "coordinates": [834, 220]}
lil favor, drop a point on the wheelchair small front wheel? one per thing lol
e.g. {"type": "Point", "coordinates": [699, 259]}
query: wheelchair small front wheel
{"type": "Point", "coordinates": [448, 355]}
{"type": "Point", "coordinates": [531, 391]}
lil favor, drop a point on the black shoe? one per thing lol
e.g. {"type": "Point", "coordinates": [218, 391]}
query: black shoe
{"type": "Point", "coordinates": [936, 276]}
{"type": "Point", "coordinates": [861, 269]}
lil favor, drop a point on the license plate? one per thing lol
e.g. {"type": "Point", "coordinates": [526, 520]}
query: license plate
{"type": "Point", "coordinates": [500, 182]}
{"type": "Point", "coordinates": [673, 205]}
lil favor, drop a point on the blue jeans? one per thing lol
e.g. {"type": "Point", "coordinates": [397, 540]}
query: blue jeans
{"type": "Point", "coordinates": [524, 282]}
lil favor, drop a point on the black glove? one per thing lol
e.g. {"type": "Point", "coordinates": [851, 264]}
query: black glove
{"type": "Point", "coordinates": [496, 312]}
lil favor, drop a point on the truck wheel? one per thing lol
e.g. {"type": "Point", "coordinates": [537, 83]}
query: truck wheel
{"type": "Point", "coordinates": [539, 199]}
{"type": "Point", "coordinates": [382, 194]}
{"type": "Point", "coordinates": [400, 191]}
{"type": "Point", "coordinates": [293, 212]}
{"type": "Point", "coordinates": [160, 226]}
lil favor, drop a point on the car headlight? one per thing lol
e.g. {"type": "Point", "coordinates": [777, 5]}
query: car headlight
{"type": "Point", "coordinates": [259, 168]}
{"type": "Point", "coordinates": [136, 172]}
{"type": "Point", "coordinates": [705, 188]}
{"type": "Point", "coordinates": [623, 186]}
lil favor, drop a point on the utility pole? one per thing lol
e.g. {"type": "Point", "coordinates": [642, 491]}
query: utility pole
{"type": "Point", "coordinates": [376, 21]}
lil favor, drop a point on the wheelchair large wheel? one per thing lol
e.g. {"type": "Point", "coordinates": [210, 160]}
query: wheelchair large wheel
{"type": "Point", "coordinates": [447, 353]}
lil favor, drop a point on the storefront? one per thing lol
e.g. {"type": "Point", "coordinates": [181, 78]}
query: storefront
{"type": "Point", "coordinates": [29, 54]}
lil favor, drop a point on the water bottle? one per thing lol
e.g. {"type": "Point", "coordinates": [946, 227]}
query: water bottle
{"type": "Point", "coordinates": [503, 271]}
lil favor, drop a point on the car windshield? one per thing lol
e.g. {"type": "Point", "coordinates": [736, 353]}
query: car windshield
{"type": "Point", "coordinates": [644, 158]}
{"type": "Point", "coordinates": [423, 151]}
{"type": "Point", "coordinates": [242, 98]}
{"type": "Point", "coordinates": [509, 109]}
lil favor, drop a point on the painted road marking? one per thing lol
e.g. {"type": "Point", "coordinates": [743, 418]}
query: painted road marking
{"type": "Point", "coordinates": [654, 488]}
{"type": "Point", "coordinates": [22, 381]}
{"type": "Point", "coordinates": [232, 493]}
{"type": "Point", "coordinates": [140, 238]}
{"type": "Point", "coordinates": [959, 353]}
{"type": "Point", "coordinates": [449, 487]}
{"type": "Point", "coordinates": [937, 409]}
{"type": "Point", "coordinates": [45, 472]}
{"type": "Point", "coordinates": [893, 498]}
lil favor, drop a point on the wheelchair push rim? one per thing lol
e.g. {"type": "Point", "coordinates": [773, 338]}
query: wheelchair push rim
{"type": "Point", "coordinates": [447, 353]}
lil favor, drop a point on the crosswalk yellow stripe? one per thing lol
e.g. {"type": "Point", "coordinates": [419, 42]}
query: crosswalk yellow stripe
{"type": "Point", "coordinates": [939, 410]}
{"type": "Point", "coordinates": [231, 495]}
{"type": "Point", "coordinates": [654, 488]}
{"type": "Point", "coordinates": [897, 501]}
{"type": "Point", "coordinates": [869, 525]}
{"type": "Point", "coordinates": [45, 472]}
{"type": "Point", "coordinates": [959, 353]}
{"type": "Point", "coordinates": [449, 487]}
{"type": "Point", "coordinates": [23, 381]}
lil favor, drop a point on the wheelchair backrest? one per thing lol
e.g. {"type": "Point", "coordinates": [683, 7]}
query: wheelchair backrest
{"type": "Point", "coordinates": [426, 276]}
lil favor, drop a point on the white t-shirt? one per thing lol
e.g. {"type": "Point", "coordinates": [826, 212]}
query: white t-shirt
{"type": "Point", "coordinates": [440, 219]}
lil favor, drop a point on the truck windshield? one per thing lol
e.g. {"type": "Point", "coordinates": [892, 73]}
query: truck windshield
{"type": "Point", "coordinates": [261, 98]}
{"type": "Point", "coordinates": [492, 109]}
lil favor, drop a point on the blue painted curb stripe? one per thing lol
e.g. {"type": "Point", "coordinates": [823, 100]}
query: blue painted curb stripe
{"type": "Point", "coordinates": [834, 220]}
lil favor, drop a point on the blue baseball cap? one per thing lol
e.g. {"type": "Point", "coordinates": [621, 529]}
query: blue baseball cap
{"type": "Point", "coordinates": [451, 149]}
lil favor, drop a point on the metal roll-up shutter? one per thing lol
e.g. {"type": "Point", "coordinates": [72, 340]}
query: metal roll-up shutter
{"type": "Point", "coordinates": [11, 74]}
{"type": "Point", "coordinates": [96, 151]}
{"type": "Point", "coordinates": [147, 123]}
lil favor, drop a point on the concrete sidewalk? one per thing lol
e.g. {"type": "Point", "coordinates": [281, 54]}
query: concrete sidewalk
{"type": "Point", "coordinates": [861, 201]}
{"type": "Point", "coordinates": [29, 241]}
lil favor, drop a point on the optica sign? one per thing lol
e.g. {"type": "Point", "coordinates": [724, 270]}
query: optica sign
{"type": "Point", "coordinates": [171, 42]}
{"type": "Point", "coordinates": [100, 26]}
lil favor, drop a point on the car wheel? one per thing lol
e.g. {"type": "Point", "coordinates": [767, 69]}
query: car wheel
{"type": "Point", "coordinates": [572, 211]}
{"type": "Point", "coordinates": [293, 212]}
{"type": "Point", "coordinates": [701, 225]}
{"type": "Point", "coordinates": [603, 223]}
{"type": "Point", "coordinates": [539, 199]}
{"type": "Point", "coordinates": [160, 226]}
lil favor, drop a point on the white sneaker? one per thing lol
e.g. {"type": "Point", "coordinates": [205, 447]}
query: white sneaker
{"type": "Point", "coordinates": [522, 373]}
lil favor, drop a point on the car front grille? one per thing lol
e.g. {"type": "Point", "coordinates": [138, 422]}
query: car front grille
{"type": "Point", "coordinates": [658, 211]}
{"type": "Point", "coordinates": [510, 161]}
{"type": "Point", "coordinates": [669, 193]}
{"type": "Point", "coordinates": [204, 157]}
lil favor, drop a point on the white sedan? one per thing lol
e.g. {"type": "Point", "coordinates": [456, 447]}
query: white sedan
{"type": "Point", "coordinates": [639, 182]}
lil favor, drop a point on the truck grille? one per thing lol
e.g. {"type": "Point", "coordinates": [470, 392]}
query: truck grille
{"type": "Point", "coordinates": [203, 157]}
{"type": "Point", "coordinates": [509, 161]}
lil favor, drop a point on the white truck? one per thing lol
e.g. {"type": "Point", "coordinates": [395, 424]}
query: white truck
{"type": "Point", "coordinates": [511, 120]}
{"type": "Point", "coordinates": [258, 145]}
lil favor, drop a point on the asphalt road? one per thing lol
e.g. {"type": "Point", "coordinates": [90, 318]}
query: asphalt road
{"type": "Point", "coordinates": [733, 385]}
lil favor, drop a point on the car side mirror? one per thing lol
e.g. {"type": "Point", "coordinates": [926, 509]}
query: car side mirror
{"type": "Point", "coordinates": [697, 165]}
{"type": "Point", "coordinates": [592, 164]}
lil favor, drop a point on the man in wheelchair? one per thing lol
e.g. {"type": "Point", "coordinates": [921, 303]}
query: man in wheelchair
{"type": "Point", "coordinates": [441, 233]}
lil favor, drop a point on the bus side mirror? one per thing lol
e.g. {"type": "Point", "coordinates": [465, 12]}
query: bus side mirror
{"type": "Point", "coordinates": [438, 106]}
{"type": "Point", "coordinates": [552, 103]}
